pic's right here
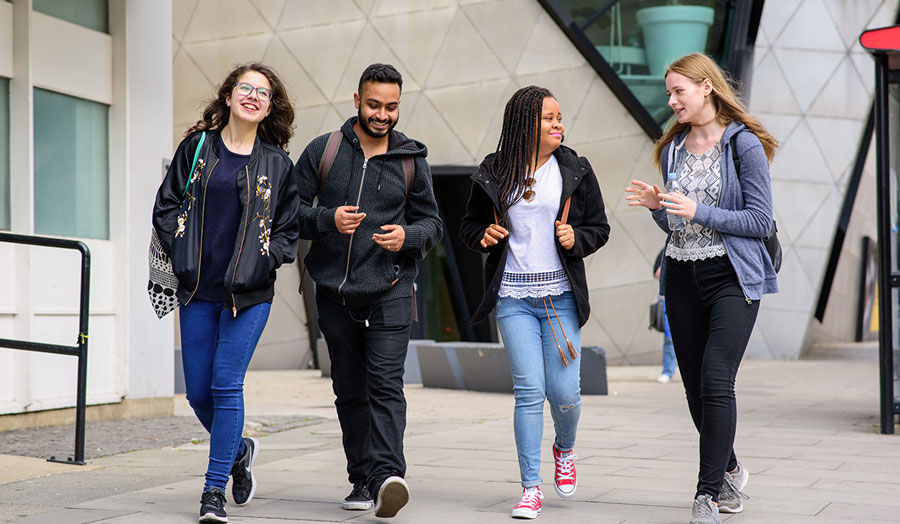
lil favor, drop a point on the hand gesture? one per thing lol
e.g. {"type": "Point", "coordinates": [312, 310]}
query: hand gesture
{"type": "Point", "coordinates": [347, 219]}
{"type": "Point", "coordinates": [393, 240]}
{"type": "Point", "coordinates": [493, 234]}
{"type": "Point", "coordinates": [643, 194]}
{"type": "Point", "coordinates": [566, 235]}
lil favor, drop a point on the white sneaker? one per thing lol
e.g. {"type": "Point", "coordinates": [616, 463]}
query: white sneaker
{"type": "Point", "coordinates": [663, 379]}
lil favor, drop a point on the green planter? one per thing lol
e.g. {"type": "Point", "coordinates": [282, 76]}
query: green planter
{"type": "Point", "coordinates": [673, 31]}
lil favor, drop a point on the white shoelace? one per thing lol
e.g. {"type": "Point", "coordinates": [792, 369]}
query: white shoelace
{"type": "Point", "coordinates": [530, 497]}
{"type": "Point", "coordinates": [565, 465]}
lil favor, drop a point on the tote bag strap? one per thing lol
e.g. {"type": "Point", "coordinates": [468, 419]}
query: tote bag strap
{"type": "Point", "coordinates": [194, 164]}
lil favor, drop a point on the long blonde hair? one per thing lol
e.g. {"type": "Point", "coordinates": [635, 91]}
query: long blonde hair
{"type": "Point", "coordinates": [698, 67]}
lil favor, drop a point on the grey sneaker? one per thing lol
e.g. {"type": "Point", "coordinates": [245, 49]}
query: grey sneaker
{"type": "Point", "coordinates": [705, 511]}
{"type": "Point", "coordinates": [731, 492]}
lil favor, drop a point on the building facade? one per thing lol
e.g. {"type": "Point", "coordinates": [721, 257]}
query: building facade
{"type": "Point", "coordinates": [85, 124]}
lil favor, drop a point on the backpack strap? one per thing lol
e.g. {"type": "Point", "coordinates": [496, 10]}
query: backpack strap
{"type": "Point", "coordinates": [670, 165]}
{"type": "Point", "coordinates": [409, 171]}
{"type": "Point", "coordinates": [194, 164]}
{"type": "Point", "coordinates": [328, 156]}
{"type": "Point", "coordinates": [563, 220]}
{"type": "Point", "coordinates": [565, 213]}
{"type": "Point", "coordinates": [735, 158]}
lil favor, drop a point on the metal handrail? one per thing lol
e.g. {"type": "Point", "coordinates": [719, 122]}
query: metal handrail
{"type": "Point", "coordinates": [80, 348]}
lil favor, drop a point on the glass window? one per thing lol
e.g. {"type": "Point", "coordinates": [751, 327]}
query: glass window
{"type": "Point", "coordinates": [93, 14]}
{"type": "Point", "coordinates": [4, 153]}
{"type": "Point", "coordinates": [639, 38]}
{"type": "Point", "coordinates": [71, 166]}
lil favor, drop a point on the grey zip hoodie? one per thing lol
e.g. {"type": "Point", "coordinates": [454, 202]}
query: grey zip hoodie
{"type": "Point", "coordinates": [743, 215]}
{"type": "Point", "coordinates": [353, 268]}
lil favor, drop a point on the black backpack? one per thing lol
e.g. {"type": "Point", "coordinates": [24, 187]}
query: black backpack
{"type": "Point", "coordinates": [773, 246]}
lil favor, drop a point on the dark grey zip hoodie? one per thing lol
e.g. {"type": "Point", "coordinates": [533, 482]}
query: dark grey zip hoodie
{"type": "Point", "coordinates": [353, 268]}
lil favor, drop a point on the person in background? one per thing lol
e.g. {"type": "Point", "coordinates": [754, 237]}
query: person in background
{"type": "Point", "coordinates": [668, 350]}
{"type": "Point", "coordinates": [227, 227]}
{"type": "Point", "coordinates": [535, 208]}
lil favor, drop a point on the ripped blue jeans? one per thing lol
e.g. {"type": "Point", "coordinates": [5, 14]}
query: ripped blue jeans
{"type": "Point", "coordinates": [538, 373]}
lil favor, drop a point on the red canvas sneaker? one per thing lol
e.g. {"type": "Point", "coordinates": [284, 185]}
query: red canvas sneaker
{"type": "Point", "coordinates": [529, 505]}
{"type": "Point", "coordinates": [564, 479]}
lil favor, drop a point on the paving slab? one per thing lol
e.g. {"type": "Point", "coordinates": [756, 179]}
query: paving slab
{"type": "Point", "coordinates": [807, 432]}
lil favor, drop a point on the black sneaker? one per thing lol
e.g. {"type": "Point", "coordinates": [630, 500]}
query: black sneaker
{"type": "Point", "coordinates": [212, 506]}
{"type": "Point", "coordinates": [243, 485]}
{"type": "Point", "coordinates": [392, 495]}
{"type": "Point", "coordinates": [359, 499]}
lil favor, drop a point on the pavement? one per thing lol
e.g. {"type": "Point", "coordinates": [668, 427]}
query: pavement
{"type": "Point", "coordinates": [807, 432]}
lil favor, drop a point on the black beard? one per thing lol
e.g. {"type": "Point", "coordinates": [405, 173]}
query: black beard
{"type": "Point", "coordinates": [364, 125]}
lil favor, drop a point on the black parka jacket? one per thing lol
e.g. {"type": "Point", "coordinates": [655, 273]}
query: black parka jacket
{"type": "Point", "coordinates": [587, 216]}
{"type": "Point", "coordinates": [267, 236]}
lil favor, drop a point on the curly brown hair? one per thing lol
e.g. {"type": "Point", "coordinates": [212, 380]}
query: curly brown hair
{"type": "Point", "coordinates": [276, 128]}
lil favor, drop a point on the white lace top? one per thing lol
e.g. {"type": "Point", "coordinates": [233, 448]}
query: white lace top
{"type": "Point", "coordinates": [532, 267]}
{"type": "Point", "coordinates": [701, 177]}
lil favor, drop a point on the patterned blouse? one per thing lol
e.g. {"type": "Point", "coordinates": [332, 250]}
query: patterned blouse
{"type": "Point", "coordinates": [701, 177]}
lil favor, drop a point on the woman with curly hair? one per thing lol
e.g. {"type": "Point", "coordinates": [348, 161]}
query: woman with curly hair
{"type": "Point", "coordinates": [226, 214]}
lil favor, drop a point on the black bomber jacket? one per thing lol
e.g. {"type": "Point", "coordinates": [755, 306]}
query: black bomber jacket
{"type": "Point", "coordinates": [587, 217]}
{"type": "Point", "coordinates": [268, 234]}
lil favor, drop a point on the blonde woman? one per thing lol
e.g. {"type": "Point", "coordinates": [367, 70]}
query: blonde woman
{"type": "Point", "coordinates": [716, 269]}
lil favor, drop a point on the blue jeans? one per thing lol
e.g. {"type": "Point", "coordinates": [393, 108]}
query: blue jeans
{"type": "Point", "coordinates": [216, 348]}
{"type": "Point", "coordinates": [668, 350]}
{"type": "Point", "coordinates": [538, 373]}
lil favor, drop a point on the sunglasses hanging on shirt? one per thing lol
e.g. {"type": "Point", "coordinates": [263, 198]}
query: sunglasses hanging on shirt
{"type": "Point", "coordinates": [528, 195]}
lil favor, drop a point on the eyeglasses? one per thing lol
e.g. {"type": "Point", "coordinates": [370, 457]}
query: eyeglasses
{"type": "Point", "coordinates": [529, 193]}
{"type": "Point", "coordinates": [244, 89]}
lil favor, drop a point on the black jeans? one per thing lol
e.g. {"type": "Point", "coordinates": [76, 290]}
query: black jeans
{"type": "Point", "coordinates": [711, 321]}
{"type": "Point", "coordinates": [367, 364]}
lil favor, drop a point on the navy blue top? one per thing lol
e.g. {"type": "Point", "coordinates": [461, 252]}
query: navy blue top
{"type": "Point", "coordinates": [221, 223]}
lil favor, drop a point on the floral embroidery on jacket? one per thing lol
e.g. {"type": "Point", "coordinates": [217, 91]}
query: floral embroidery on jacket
{"type": "Point", "coordinates": [182, 218]}
{"type": "Point", "coordinates": [189, 198]}
{"type": "Point", "coordinates": [264, 192]}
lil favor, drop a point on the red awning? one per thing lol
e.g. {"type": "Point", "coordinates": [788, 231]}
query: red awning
{"type": "Point", "coordinates": [883, 39]}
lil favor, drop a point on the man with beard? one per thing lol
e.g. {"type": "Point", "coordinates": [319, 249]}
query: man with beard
{"type": "Point", "coordinates": [375, 216]}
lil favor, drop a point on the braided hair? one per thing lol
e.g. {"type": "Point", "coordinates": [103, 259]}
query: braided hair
{"type": "Point", "coordinates": [518, 145]}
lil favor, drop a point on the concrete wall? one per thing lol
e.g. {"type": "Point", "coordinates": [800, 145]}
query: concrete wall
{"type": "Point", "coordinates": [462, 59]}
{"type": "Point", "coordinates": [812, 87]}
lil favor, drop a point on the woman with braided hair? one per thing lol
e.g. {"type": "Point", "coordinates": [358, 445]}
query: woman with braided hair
{"type": "Point", "coordinates": [536, 210]}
